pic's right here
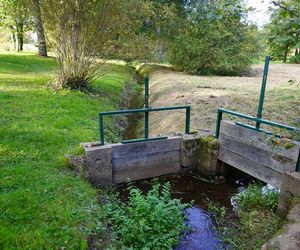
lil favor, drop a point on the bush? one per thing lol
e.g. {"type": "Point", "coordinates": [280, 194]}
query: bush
{"type": "Point", "coordinates": [255, 222]}
{"type": "Point", "coordinates": [295, 59]}
{"type": "Point", "coordinates": [254, 198]}
{"type": "Point", "coordinates": [151, 221]}
{"type": "Point", "coordinates": [214, 40]}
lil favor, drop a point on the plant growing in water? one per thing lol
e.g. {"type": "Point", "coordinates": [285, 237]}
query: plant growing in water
{"type": "Point", "coordinates": [253, 197]}
{"type": "Point", "coordinates": [254, 223]}
{"type": "Point", "coordinates": [151, 221]}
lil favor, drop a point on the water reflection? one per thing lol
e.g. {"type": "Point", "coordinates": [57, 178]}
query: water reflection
{"type": "Point", "coordinates": [201, 234]}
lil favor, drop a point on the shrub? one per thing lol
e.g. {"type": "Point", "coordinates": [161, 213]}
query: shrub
{"type": "Point", "coordinates": [79, 32]}
{"type": "Point", "coordinates": [151, 221]}
{"type": "Point", "coordinates": [214, 40]}
{"type": "Point", "coordinates": [255, 222]}
{"type": "Point", "coordinates": [253, 197]}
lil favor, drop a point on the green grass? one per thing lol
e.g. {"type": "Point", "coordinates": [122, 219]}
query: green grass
{"type": "Point", "coordinates": [40, 206]}
{"type": "Point", "coordinates": [254, 223]}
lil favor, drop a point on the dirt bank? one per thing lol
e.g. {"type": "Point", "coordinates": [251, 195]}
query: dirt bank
{"type": "Point", "coordinates": [208, 93]}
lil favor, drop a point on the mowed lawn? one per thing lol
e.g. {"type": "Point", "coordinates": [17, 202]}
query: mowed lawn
{"type": "Point", "coordinates": [208, 93]}
{"type": "Point", "coordinates": [41, 207]}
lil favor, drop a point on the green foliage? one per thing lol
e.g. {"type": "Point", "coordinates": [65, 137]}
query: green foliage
{"type": "Point", "coordinates": [41, 207]}
{"type": "Point", "coordinates": [284, 31]}
{"type": "Point", "coordinates": [255, 222]}
{"type": "Point", "coordinates": [151, 221]}
{"type": "Point", "coordinates": [219, 213]}
{"type": "Point", "coordinates": [214, 39]}
{"type": "Point", "coordinates": [254, 198]}
{"type": "Point", "coordinates": [15, 15]}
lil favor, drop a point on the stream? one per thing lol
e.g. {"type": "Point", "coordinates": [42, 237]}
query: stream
{"type": "Point", "coordinates": [188, 188]}
{"type": "Point", "coordinates": [202, 234]}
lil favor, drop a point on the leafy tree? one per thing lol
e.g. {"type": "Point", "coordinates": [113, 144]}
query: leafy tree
{"type": "Point", "coordinates": [15, 15]}
{"type": "Point", "coordinates": [214, 38]}
{"type": "Point", "coordinates": [284, 30]}
{"type": "Point", "coordinates": [142, 30]}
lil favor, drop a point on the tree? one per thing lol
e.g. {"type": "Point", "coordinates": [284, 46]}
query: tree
{"type": "Point", "coordinates": [143, 28]}
{"type": "Point", "coordinates": [213, 38]}
{"type": "Point", "coordinates": [16, 16]}
{"type": "Point", "coordinates": [39, 26]}
{"type": "Point", "coordinates": [284, 30]}
{"type": "Point", "coordinates": [80, 31]}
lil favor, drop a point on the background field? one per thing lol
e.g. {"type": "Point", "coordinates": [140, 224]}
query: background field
{"type": "Point", "coordinates": [208, 93]}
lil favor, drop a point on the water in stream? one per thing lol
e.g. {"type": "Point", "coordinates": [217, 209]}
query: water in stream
{"type": "Point", "coordinates": [202, 234]}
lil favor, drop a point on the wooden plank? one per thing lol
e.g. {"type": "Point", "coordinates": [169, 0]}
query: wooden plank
{"type": "Point", "coordinates": [155, 171]}
{"type": "Point", "coordinates": [141, 161]}
{"type": "Point", "coordinates": [258, 139]}
{"type": "Point", "coordinates": [147, 147]}
{"type": "Point", "coordinates": [145, 166]}
{"type": "Point", "coordinates": [255, 169]}
{"type": "Point", "coordinates": [258, 155]}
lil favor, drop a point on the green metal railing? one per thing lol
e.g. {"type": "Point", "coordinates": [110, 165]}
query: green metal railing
{"type": "Point", "coordinates": [258, 119]}
{"type": "Point", "coordinates": [146, 111]}
{"type": "Point", "coordinates": [251, 118]}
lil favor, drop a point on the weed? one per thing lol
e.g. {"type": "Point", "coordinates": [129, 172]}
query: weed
{"type": "Point", "coordinates": [255, 222]}
{"type": "Point", "coordinates": [254, 198]}
{"type": "Point", "coordinates": [151, 221]}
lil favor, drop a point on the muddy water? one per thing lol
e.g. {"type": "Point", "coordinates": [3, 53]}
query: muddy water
{"type": "Point", "coordinates": [188, 189]}
{"type": "Point", "coordinates": [133, 131]}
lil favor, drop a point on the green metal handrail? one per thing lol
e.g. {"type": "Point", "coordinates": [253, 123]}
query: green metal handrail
{"type": "Point", "coordinates": [257, 120]}
{"type": "Point", "coordinates": [146, 111]}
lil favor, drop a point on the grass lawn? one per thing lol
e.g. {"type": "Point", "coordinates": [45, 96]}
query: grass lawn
{"type": "Point", "coordinates": [208, 93]}
{"type": "Point", "coordinates": [40, 206]}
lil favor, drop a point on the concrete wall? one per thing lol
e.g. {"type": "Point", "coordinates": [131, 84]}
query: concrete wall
{"type": "Point", "coordinates": [254, 153]}
{"type": "Point", "coordinates": [289, 190]}
{"type": "Point", "coordinates": [118, 163]}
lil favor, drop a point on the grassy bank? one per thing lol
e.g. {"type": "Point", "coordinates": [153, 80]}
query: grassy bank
{"type": "Point", "coordinates": [254, 221]}
{"type": "Point", "coordinates": [40, 206]}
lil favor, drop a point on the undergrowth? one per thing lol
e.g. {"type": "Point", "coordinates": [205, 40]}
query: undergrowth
{"type": "Point", "coordinates": [146, 221]}
{"type": "Point", "coordinates": [253, 223]}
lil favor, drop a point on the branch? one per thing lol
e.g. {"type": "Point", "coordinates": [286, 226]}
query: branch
{"type": "Point", "coordinates": [285, 8]}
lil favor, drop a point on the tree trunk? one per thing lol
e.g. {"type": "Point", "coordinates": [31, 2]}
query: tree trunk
{"type": "Point", "coordinates": [39, 28]}
{"type": "Point", "coordinates": [286, 53]}
{"type": "Point", "coordinates": [13, 35]}
{"type": "Point", "coordinates": [20, 37]}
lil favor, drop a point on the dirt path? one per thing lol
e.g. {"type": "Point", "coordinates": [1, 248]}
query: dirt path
{"type": "Point", "coordinates": [208, 93]}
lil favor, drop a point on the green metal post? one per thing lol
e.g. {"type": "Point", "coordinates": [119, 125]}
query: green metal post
{"type": "Point", "coordinates": [219, 118]}
{"type": "Point", "coordinates": [298, 163]}
{"type": "Point", "coordinates": [187, 120]}
{"type": "Point", "coordinates": [101, 129]}
{"type": "Point", "coordinates": [146, 105]}
{"type": "Point", "coordinates": [262, 91]}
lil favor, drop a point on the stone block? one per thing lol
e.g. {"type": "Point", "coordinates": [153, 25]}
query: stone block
{"type": "Point", "coordinates": [200, 153]}
{"type": "Point", "coordinates": [288, 238]}
{"type": "Point", "coordinates": [290, 188]}
{"type": "Point", "coordinates": [98, 167]}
